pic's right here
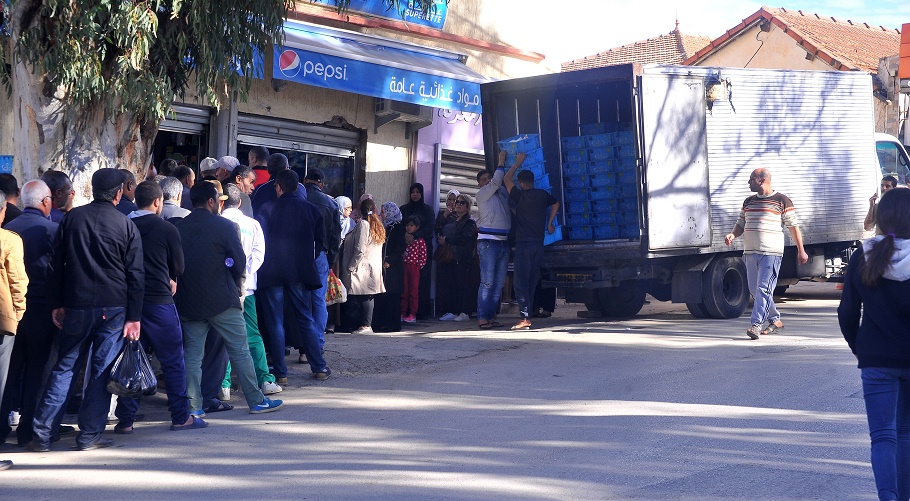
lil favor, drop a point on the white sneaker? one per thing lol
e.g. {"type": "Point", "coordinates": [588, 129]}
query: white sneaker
{"type": "Point", "coordinates": [13, 418]}
{"type": "Point", "coordinates": [447, 317]}
{"type": "Point", "coordinates": [224, 395]}
{"type": "Point", "coordinates": [461, 317]}
{"type": "Point", "coordinates": [270, 388]}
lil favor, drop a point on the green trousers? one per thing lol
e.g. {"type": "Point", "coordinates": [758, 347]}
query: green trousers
{"type": "Point", "coordinates": [257, 347]}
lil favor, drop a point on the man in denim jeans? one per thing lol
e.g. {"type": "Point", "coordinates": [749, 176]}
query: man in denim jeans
{"type": "Point", "coordinates": [493, 223]}
{"type": "Point", "coordinates": [95, 294]}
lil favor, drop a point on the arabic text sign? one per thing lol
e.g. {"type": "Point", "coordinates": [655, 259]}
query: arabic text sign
{"type": "Point", "coordinates": [410, 13]}
{"type": "Point", "coordinates": [376, 80]}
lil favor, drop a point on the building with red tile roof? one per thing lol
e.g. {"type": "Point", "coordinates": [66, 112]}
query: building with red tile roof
{"type": "Point", "coordinates": [670, 48]}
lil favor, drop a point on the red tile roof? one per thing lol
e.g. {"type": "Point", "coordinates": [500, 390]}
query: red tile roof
{"type": "Point", "coordinates": [843, 44]}
{"type": "Point", "coordinates": [671, 48]}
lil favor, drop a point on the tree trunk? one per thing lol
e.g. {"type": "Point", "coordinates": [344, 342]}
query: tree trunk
{"type": "Point", "coordinates": [51, 134]}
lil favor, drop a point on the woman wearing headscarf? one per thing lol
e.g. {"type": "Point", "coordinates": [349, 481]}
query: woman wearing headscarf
{"type": "Point", "coordinates": [447, 214]}
{"type": "Point", "coordinates": [461, 234]}
{"type": "Point", "coordinates": [347, 225]}
{"type": "Point", "coordinates": [874, 316]}
{"type": "Point", "coordinates": [345, 206]}
{"type": "Point", "coordinates": [361, 269]}
{"type": "Point", "coordinates": [417, 206]}
{"type": "Point", "coordinates": [386, 316]}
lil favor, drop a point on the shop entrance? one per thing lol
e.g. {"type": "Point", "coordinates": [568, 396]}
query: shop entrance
{"type": "Point", "coordinates": [339, 171]}
{"type": "Point", "coordinates": [183, 137]}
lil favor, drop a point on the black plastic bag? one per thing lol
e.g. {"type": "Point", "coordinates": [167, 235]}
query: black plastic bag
{"type": "Point", "coordinates": [132, 374]}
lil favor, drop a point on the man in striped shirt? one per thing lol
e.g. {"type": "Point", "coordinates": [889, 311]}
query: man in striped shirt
{"type": "Point", "coordinates": [760, 221]}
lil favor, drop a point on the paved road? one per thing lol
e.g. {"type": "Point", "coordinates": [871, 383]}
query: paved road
{"type": "Point", "coordinates": [661, 406]}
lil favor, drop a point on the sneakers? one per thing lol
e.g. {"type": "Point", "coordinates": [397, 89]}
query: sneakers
{"type": "Point", "coordinates": [363, 330]}
{"type": "Point", "coordinates": [447, 317]}
{"type": "Point", "coordinates": [322, 376]}
{"type": "Point", "coordinates": [97, 444]}
{"type": "Point", "coordinates": [270, 388]}
{"type": "Point", "coordinates": [224, 394]}
{"type": "Point", "coordinates": [410, 319]}
{"type": "Point", "coordinates": [267, 405]}
{"type": "Point", "coordinates": [461, 317]}
{"type": "Point", "coordinates": [13, 418]}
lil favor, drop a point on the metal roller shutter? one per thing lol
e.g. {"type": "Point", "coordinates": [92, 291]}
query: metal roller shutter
{"type": "Point", "coordinates": [298, 136]}
{"type": "Point", "coordinates": [458, 171]}
{"type": "Point", "coordinates": [187, 119]}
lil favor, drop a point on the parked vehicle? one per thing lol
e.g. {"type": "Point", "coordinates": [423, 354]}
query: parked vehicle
{"type": "Point", "coordinates": [653, 162]}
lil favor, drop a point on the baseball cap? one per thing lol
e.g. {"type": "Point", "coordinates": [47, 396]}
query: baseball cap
{"type": "Point", "coordinates": [314, 174]}
{"type": "Point", "coordinates": [221, 195]}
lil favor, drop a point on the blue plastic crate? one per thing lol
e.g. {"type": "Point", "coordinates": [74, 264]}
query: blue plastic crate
{"type": "Point", "coordinates": [627, 191]}
{"type": "Point", "coordinates": [6, 164]}
{"type": "Point", "coordinates": [573, 143]}
{"type": "Point", "coordinates": [607, 179]}
{"type": "Point", "coordinates": [578, 207]}
{"type": "Point", "coordinates": [606, 232]}
{"type": "Point", "coordinates": [598, 140]}
{"type": "Point", "coordinates": [576, 195]}
{"type": "Point", "coordinates": [601, 153]}
{"type": "Point", "coordinates": [537, 168]}
{"type": "Point", "coordinates": [627, 203]}
{"type": "Point", "coordinates": [575, 168]}
{"type": "Point", "coordinates": [607, 205]}
{"type": "Point", "coordinates": [627, 217]}
{"type": "Point", "coordinates": [629, 231]}
{"type": "Point", "coordinates": [531, 157]}
{"type": "Point", "coordinates": [623, 138]}
{"type": "Point", "coordinates": [626, 177]}
{"type": "Point", "coordinates": [556, 236]}
{"type": "Point", "coordinates": [580, 233]}
{"type": "Point", "coordinates": [605, 218]}
{"type": "Point", "coordinates": [624, 151]}
{"type": "Point", "coordinates": [602, 193]}
{"type": "Point", "coordinates": [575, 155]}
{"type": "Point", "coordinates": [623, 164]}
{"type": "Point", "coordinates": [542, 182]}
{"type": "Point", "coordinates": [600, 166]}
{"type": "Point", "coordinates": [589, 129]}
{"type": "Point", "coordinates": [576, 181]}
{"type": "Point", "coordinates": [579, 219]}
{"type": "Point", "coordinates": [521, 143]}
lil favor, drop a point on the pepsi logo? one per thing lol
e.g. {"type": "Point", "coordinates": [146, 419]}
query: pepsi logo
{"type": "Point", "coordinates": [289, 63]}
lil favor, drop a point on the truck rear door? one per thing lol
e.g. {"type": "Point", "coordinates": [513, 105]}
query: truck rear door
{"type": "Point", "coordinates": [675, 171]}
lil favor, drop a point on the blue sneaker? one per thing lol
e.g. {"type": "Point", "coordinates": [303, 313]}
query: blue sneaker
{"type": "Point", "coordinates": [267, 405]}
{"type": "Point", "coordinates": [198, 413]}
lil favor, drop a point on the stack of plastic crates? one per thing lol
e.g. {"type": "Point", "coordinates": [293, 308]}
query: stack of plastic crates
{"type": "Point", "coordinates": [600, 194]}
{"type": "Point", "coordinates": [529, 144]}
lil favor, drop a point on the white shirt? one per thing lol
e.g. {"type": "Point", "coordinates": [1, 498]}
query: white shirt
{"type": "Point", "coordinates": [253, 242]}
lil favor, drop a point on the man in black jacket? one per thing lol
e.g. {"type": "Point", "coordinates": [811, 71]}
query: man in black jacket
{"type": "Point", "coordinates": [331, 239]}
{"type": "Point", "coordinates": [163, 262]}
{"type": "Point", "coordinates": [36, 330]}
{"type": "Point", "coordinates": [208, 296]}
{"type": "Point", "coordinates": [95, 293]}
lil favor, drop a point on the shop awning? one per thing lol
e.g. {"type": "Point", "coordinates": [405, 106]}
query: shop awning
{"type": "Point", "coordinates": [377, 67]}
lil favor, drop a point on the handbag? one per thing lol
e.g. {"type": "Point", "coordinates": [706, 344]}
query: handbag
{"type": "Point", "coordinates": [132, 374]}
{"type": "Point", "coordinates": [444, 254]}
{"type": "Point", "coordinates": [335, 291]}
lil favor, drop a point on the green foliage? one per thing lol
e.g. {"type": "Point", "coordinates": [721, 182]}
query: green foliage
{"type": "Point", "coordinates": [136, 56]}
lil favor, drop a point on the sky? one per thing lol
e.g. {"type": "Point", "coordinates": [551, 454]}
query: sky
{"type": "Point", "coordinates": [565, 30]}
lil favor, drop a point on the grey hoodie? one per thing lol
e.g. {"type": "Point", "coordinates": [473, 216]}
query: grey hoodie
{"type": "Point", "coordinates": [493, 216]}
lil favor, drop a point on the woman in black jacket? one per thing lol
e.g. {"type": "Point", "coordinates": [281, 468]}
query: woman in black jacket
{"type": "Point", "coordinates": [418, 207]}
{"type": "Point", "coordinates": [386, 316]}
{"type": "Point", "coordinates": [462, 235]}
{"type": "Point", "coordinates": [874, 316]}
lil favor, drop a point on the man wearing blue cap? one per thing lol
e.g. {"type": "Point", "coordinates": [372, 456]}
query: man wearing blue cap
{"type": "Point", "coordinates": [95, 293]}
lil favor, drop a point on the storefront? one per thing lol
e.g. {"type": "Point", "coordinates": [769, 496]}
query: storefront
{"type": "Point", "coordinates": [183, 136]}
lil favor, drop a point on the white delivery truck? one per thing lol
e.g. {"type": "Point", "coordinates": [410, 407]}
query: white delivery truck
{"type": "Point", "coordinates": [653, 165]}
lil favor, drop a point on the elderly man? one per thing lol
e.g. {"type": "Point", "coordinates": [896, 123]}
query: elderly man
{"type": "Point", "coordinates": [208, 297]}
{"type": "Point", "coordinates": [95, 294]}
{"type": "Point", "coordinates": [14, 281]}
{"type": "Point", "coordinates": [62, 193]}
{"type": "Point", "coordinates": [173, 195]}
{"type": "Point", "coordinates": [244, 177]}
{"type": "Point", "coordinates": [223, 167]}
{"type": "Point", "coordinates": [36, 330]}
{"type": "Point", "coordinates": [760, 221]}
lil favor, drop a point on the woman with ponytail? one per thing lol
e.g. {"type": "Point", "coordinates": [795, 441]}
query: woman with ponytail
{"type": "Point", "coordinates": [361, 270]}
{"type": "Point", "coordinates": [874, 316]}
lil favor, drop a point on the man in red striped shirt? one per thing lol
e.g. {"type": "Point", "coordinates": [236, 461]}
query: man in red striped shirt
{"type": "Point", "coordinates": [760, 221]}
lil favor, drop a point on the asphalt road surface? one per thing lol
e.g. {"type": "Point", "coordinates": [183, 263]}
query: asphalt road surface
{"type": "Point", "coordinates": [660, 406]}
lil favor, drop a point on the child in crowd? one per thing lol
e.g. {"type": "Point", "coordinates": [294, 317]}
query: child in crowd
{"type": "Point", "coordinates": [415, 258]}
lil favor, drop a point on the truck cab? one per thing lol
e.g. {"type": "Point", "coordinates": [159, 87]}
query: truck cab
{"type": "Point", "coordinates": [892, 158]}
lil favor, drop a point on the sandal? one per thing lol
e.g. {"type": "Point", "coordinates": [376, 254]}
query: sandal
{"type": "Point", "coordinates": [772, 328]}
{"type": "Point", "coordinates": [494, 324]}
{"type": "Point", "coordinates": [485, 326]}
{"type": "Point", "coordinates": [220, 407]}
{"type": "Point", "coordinates": [523, 325]}
{"type": "Point", "coordinates": [754, 331]}
{"type": "Point", "coordinates": [194, 425]}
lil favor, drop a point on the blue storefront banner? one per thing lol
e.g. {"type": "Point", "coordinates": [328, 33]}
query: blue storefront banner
{"type": "Point", "coordinates": [409, 10]}
{"type": "Point", "coordinates": [376, 80]}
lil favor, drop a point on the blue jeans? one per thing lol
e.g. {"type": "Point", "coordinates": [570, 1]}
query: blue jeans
{"type": "Point", "coordinates": [100, 329]}
{"type": "Point", "coordinates": [761, 273]}
{"type": "Point", "coordinates": [528, 256]}
{"type": "Point", "coordinates": [273, 310]}
{"type": "Point", "coordinates": [494, 260]}
{"type": "Point", "coordinates": [232, 328]}
{"type": "Point", "coordinates": [887, 395]}
{"type": "Point", "coordinates": [317, 305]}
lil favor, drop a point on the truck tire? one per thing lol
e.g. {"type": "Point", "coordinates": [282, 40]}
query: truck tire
{"type": "Point", "coordinates": [725, 289]}
{"type": "Point", "coordinates": [698, 310]}
{"type": "Point", "coordinates": [624, 300]}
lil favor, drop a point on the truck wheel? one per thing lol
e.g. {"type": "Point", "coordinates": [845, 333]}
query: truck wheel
{"type": "Point", "coordinates": [698, 310]}
{"type": "Point", "coordinates": [624, 300]}
{"type": "Point", "coordinates": [724, 287]}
